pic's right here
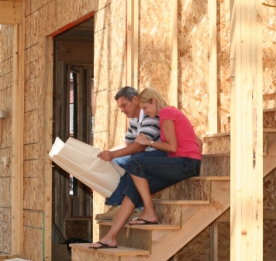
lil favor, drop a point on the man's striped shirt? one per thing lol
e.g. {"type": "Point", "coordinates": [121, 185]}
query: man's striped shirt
{"type": "Point", "coordinates": [148, 126]}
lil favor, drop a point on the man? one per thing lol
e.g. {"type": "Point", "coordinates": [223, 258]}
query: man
{"type": "Point", "coordinates": [127, 100]}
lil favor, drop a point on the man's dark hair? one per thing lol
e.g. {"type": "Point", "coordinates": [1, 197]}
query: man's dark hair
{"type": "Point", "coordinates": [127, 92]}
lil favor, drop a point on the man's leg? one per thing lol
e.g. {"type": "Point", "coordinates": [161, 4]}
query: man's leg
{"type": "Point", "coordinates": [117, 196]}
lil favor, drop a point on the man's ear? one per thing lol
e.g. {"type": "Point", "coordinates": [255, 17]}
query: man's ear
{"type": "Point", "coordinates": [135, 99]}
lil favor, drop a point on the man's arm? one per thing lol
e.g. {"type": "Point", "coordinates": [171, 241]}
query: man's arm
{"type": "Point", "coordinates": [130, 149]}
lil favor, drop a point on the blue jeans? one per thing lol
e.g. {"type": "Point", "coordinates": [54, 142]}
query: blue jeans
{"type": "Point", "coordinates": [117, 196]}
{"type": "Point", "coordinates": [160, 173]}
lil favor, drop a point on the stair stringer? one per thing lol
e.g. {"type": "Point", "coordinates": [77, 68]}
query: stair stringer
{"type": "Point", "coordinates": [194, 219]}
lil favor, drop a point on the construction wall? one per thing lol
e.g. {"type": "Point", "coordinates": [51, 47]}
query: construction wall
{"type": "Point", "coordinates": [45, 18]}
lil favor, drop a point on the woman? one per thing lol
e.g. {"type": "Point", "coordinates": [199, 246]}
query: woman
{"type": "Point", "coordinates": [151, 174]}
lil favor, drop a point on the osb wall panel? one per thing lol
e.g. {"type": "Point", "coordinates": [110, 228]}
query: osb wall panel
{"type": "Point", "coordinates": [193, 69]}
{"type": "Point", "coordinates": [32, 243]}
{"type": "Point", "coordinates": [269, 119]}
{"type": "Point", "coordinates": [5, 171]}
{"type": "Point", "coordinates": [269, 49]}
{"type": "Point", "coordinates": [198, 249]}
{"type": "Point", "coordinates": [5, 229]}
{"type": "Point", "coordinates": [269, 250]}
{"type": "Point", "coordinates": [154, 55]}
{"type": "Point", "coordinates": [224, 241]}
{"type": "Point", "coordinates": [223, 63]}
{"type": "Point", "coordinates": [269, 191]}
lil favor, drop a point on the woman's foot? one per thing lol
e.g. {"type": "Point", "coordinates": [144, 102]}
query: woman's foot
{"type": "Point", "coordinates": [100, 245]}
{"type": "Point", "coordinates": [140, 221]}
{"type": "Point", "coordinates": [145, 219]}
{"type": "Point", "coordinates": [105, 242]}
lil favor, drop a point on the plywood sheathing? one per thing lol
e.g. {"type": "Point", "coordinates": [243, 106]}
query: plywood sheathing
{"type": "Point", "coordinates": [193, 62]}
{"type": "Point", "coordinates": [33, 235]}
{"type": "Point", "coordinates": [269, 49]}
{"type": "Point", "coordinates": [154, 51]}
{"type": "Point", "coordinates": [196, 249]}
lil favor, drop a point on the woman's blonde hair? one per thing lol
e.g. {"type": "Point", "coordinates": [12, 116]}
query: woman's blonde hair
{"type": "Point", "coordinates": [148, 94]}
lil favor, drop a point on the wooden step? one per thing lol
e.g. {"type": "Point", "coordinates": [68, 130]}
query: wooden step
{"type": "Point", "coordinates": [145, 227]}
{"type": "Point", "coordinates": [210, 178]}
{"type": "Point", "coordinates": [81, 252]}
{"type": "Point", "coordinates": [180, 202]}
{"type": "Point", "coordinates": [218, 144]}
{"type": "Point", "coordinates": [4, 257]}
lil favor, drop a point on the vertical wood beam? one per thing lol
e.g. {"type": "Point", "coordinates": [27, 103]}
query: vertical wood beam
{"type": "Point", "coordinates": [48, 144]}
{"type": "Point", "coordinates": [214, 241]}
{"type": "Point", "coordinates": [128, 41]}
{"type": "Point", "coordinates": [132, 43]}
{"type": "Point", "coordinates": [213, 110]}
{"type": "Point", "coordinates": [173, 88]}
{"type": "Point", "coordinates": [17, 141]}
{"type": "Point", "coordinates": [135, 41]}
{"type": "Point", "coordinates": [246, 131]}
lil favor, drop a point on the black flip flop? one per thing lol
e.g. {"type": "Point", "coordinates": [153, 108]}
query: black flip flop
{"type": "Point", "coordinates": [102, 246]}
{"type": "Point", "coordinates": [144, 222]}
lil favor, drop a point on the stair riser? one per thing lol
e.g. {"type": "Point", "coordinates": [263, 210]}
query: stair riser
{"type": "Point", "coordinates": [83, 255]}
{"type": "Point", "coordinates": [134, 238]}
{"type": "Point", "coordinates": [215, 166]}
{"type": "Point", "coordinates": [186, 190]}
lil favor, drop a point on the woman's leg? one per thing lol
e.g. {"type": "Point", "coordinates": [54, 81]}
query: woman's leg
{"type": "Point", "coordinates": [124, 213]}
{"type": "Point", "coordinates": [142, 186]}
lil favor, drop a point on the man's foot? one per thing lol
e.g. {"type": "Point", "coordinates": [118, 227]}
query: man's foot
{"type": "Point", "coordinates": [109, 215]}
{"type": "Point", "coordinates": [136, 213]}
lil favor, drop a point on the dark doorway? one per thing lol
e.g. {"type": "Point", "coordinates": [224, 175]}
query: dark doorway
{"type": "Point", "coordinates": [73, 117]}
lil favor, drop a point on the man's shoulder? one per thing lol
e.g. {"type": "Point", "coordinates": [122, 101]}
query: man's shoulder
{"type": "Point", "coordinates": [149, 120]}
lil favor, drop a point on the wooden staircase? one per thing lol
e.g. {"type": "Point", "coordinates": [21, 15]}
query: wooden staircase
{"type": "Point", "coordinates": [183, 210]}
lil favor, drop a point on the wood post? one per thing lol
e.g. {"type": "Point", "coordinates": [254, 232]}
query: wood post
{"type": "Point", "coordinates": [246, 131]}
{"type": "Point", "coordinates": [48, 144]}
{"type": "Point", "coordinates": [17, 141]}
{"type": "Point", "coordinates": [173, 88]}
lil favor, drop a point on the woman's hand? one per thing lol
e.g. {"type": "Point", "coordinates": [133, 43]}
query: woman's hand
{"type": "Point", "coordinates": [142, 139]}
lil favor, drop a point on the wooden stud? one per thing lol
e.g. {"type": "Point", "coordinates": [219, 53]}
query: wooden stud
{"type": "Point", "coordinates": [48, 145]}
{"type": "Point", "coordinates": [10, 12]}
{"type": "Point", "coordinates": [173, 88]}
{"type": "Point", "coordinates": [128, 42]}
{"type": "Point", "coordinates": [17, 140]}
{"type": "Point", "coordinates": [246, 131]}
{"type": "Point", "coordinates": [213, 110]}
{"type": "Point", "coordinates": [134, 45]}
{"type": "Point", "coordinates": [214, 241]}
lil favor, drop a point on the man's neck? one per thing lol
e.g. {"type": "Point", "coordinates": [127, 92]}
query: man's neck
{"type": "Point", "coordinates": [137, 113]}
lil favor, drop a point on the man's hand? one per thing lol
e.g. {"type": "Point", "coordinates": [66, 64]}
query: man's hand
{"type": "Point", "coordinates": [106, 155]}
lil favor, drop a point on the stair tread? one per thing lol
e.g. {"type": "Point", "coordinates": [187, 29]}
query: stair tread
{"type": "Point", "coordinates": [119, 251]}
{"type": "Point", "coordinates": [181, 202]}
{"type": "Point", "coordinates": [146, 227]}
{"type": "Point", "coordinates": [210, 178]}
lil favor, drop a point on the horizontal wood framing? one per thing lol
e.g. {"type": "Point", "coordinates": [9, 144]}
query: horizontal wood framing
{"type": "Point", "coordinates": [10, 12]}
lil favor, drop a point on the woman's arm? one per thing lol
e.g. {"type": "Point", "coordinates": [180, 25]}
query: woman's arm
{"type": "Point", "coordinates": [168, 130]}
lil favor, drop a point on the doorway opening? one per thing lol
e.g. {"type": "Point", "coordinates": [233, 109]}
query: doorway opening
{"type": "Point", "coordinates": [72, 117]}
